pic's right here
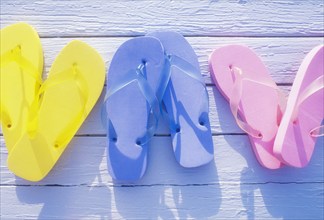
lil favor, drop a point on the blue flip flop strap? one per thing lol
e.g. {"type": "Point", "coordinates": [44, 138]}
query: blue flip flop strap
{"type": "Point", "coordinates": [136, 75]}
{"type": "Point", "coordinates": [188, 69]}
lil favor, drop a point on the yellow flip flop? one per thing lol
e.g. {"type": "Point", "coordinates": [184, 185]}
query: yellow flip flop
{"type": "Point", "coordinates": [63, 102]}
{"type": "Point", "coordinates": [20, 76]}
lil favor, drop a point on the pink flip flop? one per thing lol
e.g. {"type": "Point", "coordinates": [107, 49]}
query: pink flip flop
{"type": "Point", "coordinates": [255, 100]}
{"type": "Point", "coordinates": [301, 122]}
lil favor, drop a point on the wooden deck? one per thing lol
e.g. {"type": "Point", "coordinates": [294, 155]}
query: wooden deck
{"type": "Point", "coordinates": [234, 186]}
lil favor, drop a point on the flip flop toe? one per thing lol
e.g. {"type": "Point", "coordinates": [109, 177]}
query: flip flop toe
{"type": "Point", "coordinates": [64, 100]}
{"type": "Point", "coordinates": [255, 100]}
{"type": "Point", "coordinates": [301, 123]}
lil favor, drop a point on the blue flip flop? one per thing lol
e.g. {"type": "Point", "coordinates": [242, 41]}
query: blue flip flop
{"type": "Point", "coordinates": [131, 107]}
{"type": "Point", "coordinates": [186, 102]}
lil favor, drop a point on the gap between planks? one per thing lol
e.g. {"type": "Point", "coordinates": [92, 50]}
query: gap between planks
{"type": "Point", "coordinates": [158, 185]}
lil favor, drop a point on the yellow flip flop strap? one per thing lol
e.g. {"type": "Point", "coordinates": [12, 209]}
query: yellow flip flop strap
{"type": "Point", "coordinates": [15, 56]}
{"type": "Point", "coordinates": [71, 74]}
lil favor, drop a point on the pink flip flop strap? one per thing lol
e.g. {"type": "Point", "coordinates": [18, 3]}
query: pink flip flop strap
{"type": "Point", "coordinates": [317, 132]}
{"type": "Point", "coordinates": [236, 96]}
{"type": "Point", "coordinates": [311, 89]}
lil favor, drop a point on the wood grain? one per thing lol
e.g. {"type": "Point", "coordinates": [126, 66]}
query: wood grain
{"type": "Point", "coordinates": [191, 18]}
{"type": "Point", "coordinates": [223, 201]}
{"type": "Point", "coordinates": [234, 185]}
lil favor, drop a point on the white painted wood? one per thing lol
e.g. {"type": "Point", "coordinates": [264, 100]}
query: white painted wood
{"type": "Point", "coordinates": [208, 17]}
{"type": "Point", "coordinates": [223, 201]}
{"type": "Point", "coordinates": [84, 163]}
{"type": "Point", "coordinates": [233, 186]}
